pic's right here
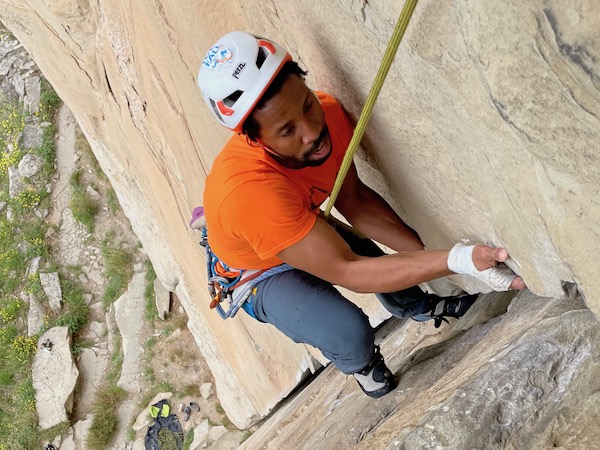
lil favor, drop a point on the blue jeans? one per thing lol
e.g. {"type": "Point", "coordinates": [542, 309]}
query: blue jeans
{"type": "Point", "coordinates": [312, 311]}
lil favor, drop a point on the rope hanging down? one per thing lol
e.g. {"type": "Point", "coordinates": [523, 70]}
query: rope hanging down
{"type": "Point", "coordinates": [359, 131]}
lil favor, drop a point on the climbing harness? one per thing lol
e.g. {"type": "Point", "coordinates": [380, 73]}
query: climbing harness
{"type": "Point", "coordinates": [359, 131]}
{"type": "Point", "coordinates": [235, 285]}
{"type": "Point", "coordinates": [226, 283]}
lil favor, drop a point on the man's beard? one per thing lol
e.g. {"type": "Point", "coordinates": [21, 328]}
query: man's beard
{"type": "Point", "coordinates": [299, 163]}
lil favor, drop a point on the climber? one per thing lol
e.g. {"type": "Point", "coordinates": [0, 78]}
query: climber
{"type": "Point", "coordinates": [262, 203]}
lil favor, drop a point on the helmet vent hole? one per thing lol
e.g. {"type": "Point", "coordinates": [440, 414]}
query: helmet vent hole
{"type": "Point", "coordinates": [230, 101]}
{"type": "Point", "coordinates": [260, 58]}
{"type": "Point", "coordinates": [216, 109]}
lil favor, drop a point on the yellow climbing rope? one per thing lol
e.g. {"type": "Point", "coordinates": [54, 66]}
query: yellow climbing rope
{"type": "Point", "coordinates": [359, 131]}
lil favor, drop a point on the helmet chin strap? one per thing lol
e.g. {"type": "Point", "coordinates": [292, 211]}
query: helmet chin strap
{"type": "Point", "coordinates": [260, 144]}
{"type": "Point", "coordinates": [270, 150]}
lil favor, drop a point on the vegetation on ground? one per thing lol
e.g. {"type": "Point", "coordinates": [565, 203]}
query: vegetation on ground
{"type": "Point", "coordinates": [118, 269]}
{"type": "Point", "coordinates": [82, 205]}
{"type": "Point", "coordinates": [104, 425]}
{"type": "Point", "coordinates": [23, 241]}
{"type": "Point", "coordinates": [22, 238]}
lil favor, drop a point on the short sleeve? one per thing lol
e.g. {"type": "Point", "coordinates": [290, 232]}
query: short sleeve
{"type": "Point", "coordinates": [270, 215]}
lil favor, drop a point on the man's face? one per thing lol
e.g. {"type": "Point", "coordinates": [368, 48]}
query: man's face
{"type": "Point", "coordinates": [292, 126]}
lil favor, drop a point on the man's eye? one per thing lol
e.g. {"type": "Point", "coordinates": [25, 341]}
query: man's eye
{"type": "Point", "coordinates": [308, 106]}
{"type": "Point", "coordinates": [287, 132]}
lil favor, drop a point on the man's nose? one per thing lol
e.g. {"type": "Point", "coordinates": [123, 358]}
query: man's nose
{"type": "Point", "coordinates": [310, 132]}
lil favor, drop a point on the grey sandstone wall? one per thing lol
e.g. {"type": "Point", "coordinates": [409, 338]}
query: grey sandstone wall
{"type": "Point", "coordinates": [487, 129]}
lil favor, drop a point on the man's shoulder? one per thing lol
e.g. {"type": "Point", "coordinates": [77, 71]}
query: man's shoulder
{"type": "Point", "coordinates": [327, 100]}
{"type": "Point", "coordinates": [333, 109]}
{"type": "Point", "coordinates": [239, 164]}
{"type": "Point", "coordinates": [236, 154]}
{"type": "Point", "coordinates": [235, 145]}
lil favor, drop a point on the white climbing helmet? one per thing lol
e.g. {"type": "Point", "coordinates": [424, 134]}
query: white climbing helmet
{"type": "Point", "coordinates": [235, 73]}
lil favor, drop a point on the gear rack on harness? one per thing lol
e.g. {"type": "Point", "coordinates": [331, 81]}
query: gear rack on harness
{"type": "Point", "coordinates": [226, 283]}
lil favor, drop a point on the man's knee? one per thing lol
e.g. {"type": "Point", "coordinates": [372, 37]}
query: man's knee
{"type": "Point", "coordinates": [352, 345]}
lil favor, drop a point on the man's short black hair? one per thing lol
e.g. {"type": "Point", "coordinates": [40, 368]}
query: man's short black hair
{"type": "Point", "coordinates": [250, 126]}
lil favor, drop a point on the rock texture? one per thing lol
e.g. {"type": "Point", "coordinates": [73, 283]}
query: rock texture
{"type": "Point", "coordinates": [129, 310]}
{"type": "Point", "coordinates": [129, 318]}
{"type": "Point", "coordinates": [162, 299]}
{"type": "Point", "coordinates": [54, 377]}
{"type": "Point", "coordinates": [51, 284]}
{"type": "Point", "coordinates": [92, 364]}
{"type": "Point", "coordinates": [526, 379]}
{"type": "Point", "coordinates": [486, 129]}
{"type": "Point", "coordinates": [35, 316]}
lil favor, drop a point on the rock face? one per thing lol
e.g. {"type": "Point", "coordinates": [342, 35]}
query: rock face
{"type": "Point", "coordinates": [35, 316]}
{"type": "Point", "coordinates": [54, 377]}
{"type": "Point", "coordinates": [162, 298]}
{"type": "Point", "coordinates": [51, 284]}
{"type": "Point", "coordinates": [30, 165]}
{"type": "Point", "coordinates": [129, 310]}
{"type": "Point", "coordinates": [485, 130]}
{"type": "Point", "coordinates": [526, 379]}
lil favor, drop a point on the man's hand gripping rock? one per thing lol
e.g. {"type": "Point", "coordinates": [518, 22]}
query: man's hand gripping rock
{"type": "Point", "coordinates": [481, 262]}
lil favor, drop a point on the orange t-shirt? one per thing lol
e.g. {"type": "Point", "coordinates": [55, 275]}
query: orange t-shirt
{"type": "Point", "coordinates": [255, 207]}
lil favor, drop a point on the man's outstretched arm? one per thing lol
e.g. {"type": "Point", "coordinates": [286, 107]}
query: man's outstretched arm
{"type": "Point", "coordinates": [323, 253]}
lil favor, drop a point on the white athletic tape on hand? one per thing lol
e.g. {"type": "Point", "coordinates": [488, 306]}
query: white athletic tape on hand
{"type": "Point", "coordinates": [460, 260]}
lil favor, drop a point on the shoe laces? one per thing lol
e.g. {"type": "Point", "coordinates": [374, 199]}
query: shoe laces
{"type": "Point", "coordinates": [449, 307]}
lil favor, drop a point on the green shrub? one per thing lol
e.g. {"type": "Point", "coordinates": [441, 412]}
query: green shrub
{"type": "Point", "coordinates": [48, 148]}
{"type": "Point", "coordinates": [75, 310]}
{"type": "Point", "coordinates": [80, 345]}
{"type": "Point", "coordinates": [116, 362]}
{"type": "Point", "coordinates": [6, 378]}
{"type": "Point", "coordinates": [7, 334]}
{"type": "Point", "coordinates": [22, 350]}
{"type": "Point", "coordinates": [33, 284]}
{"type": "Point", "coordinates": [34, 234]}
{"type": "Point", "coordinates": [102, 430]}
{"type": "Point", "coordinates": [24, 201]}
{"type": "Point", "coordinates": [118, 270]}
{"type": "Point", "coordinates": [245, 436]}
{"type": "Point", "coordinates": [104, 423]}
{"type": "Point", "coordinates": [189, 438]}
{"type": "Point", "coordinates": [10, 309]}
{"type": "Point", "coordinates": [150, 309]}
{"type": "Point", "coordinates": [84, 209]}
{"type": "Point", "coordinates": [111, 200]}
{"type": "Point", "coordinates": [75, 180]}
{"type": "Point", "coordinates": [23, 433]}
{"type": "Point", "coordinates": [25, 398]}
{"type": "Point", "coordinates": [49, 100]}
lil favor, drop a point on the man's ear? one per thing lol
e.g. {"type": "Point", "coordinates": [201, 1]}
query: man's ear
{"type": "Point", "coordinates": [254, 143]}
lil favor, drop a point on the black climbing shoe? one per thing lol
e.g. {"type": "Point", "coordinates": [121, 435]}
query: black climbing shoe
{"type": "Point", "coordinates": [442, 307]}
{"type": "Point", "coordinates": [186, 413]}
{"type": "Point", "coordinates": [195, 406]}
{"type": "Point", "coordinates": [376, 379]}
